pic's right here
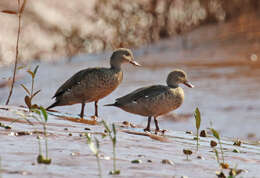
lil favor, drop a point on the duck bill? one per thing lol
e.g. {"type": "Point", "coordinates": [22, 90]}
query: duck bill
{"type": "Point", "coordinates": [188, 84]}
{"type": "Point", "coordinates": [135, 63]}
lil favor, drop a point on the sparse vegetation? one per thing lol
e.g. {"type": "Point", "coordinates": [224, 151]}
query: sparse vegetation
{"type": "Point", "coordinates": [112, 136]}
{"type": "Point", "coordinates": [42, 118]}
{"type": "Point", "coordinates": [187, 152]}
{"type": "Point", "coordinates": [28, 98]}
{"type": "Point", "coordinates": [94, 147]}
{"type": "Point", "coordinates": [198, 121]}
{"type": "Point", "coordinates": [216, 135]}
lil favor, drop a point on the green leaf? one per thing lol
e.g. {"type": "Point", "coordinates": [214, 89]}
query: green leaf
{"type": "Point", "coordinates": [36, 111]}
{"type": "Point", "coordinates": [26, 89]}
{"type": "Point", "coordinates": [44, 113]}
{"type": "Point", "coordinates": [88, 138]}
{"type": "Point", "coordinates": [215, 133]}
{"type": "Point", "coordinates": [21, 67]}
{"type": "Point", "coordinates": [36, 69]}
{"type": "Point", "coordinates": [114, 140]}
{"type": "Point", "coordinates": [106, 127]}
{"type": "Point", "coordinates": [197, 118]}
{"type": "Point", "coordinates": [97, 142]}
{"type": "Point", "coordinates": [30, 72]}
{"type": "Point", "coordinates": [114, 128]}
{"type": "Point", "coordinates": [91, 144]}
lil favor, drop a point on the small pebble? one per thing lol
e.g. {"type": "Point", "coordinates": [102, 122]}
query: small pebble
{"type": "Point", "coordinates": [126, 123]}
{"type": "Point", "coordinates": [187, 152]}
{"type": "Point", "coordinates": [70, 134]}
{"type": "Point", "coordinates": [22, 133]}
{"type": "Point", "coordinates": [200, 157]}
{"type": "Point", "coordinates": [141, 156]}
{"type": "Point", "coordinates": [188, 132]}
{"type": "Point", "coordinates": [236, 151]}
{"type": "Point", "coordinates": [75, 154]}
{"type": "Point", "coordinates": [167, 161]}
{"type": "Point", "coordinates": [66, 129]}
{"type": "Point", "coordinates": [224, 165]}
{"type": "Point", "coordinates": [237, 143]}
{"type": "Point", "coordinates": [136, 161]}
{"type": "Point", "coordinates": [86, 128]}
{"type": "Point", "coordinates": [184, 177]}
{"type": "Point", "coordinates": [149, 161]}
{"type": "Point", "coordinates": [203, 133]}
{"type": "Point", "coordinates": [132, 125]}
{"type": "Point", "coordinates": [7, 127]}
{"type": "Point", "coordinates": [213, 143]}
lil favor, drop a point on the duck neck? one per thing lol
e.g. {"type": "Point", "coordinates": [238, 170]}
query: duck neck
{"type": "Point", "coordinates": [115, 64]}
{"type": "Point", "coordinates": [173, 85]}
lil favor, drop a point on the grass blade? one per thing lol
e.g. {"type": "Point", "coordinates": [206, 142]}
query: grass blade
{"type": "Point", "coordinates": [36, 69]}
{"type": "Point", "coordinates": [197, 117]}
{"type": "Point", "coordinates": [26, 89]}
{"type": "Point", "coordinates": [44, 113]}
{"type": "Point", "coordinates": [36, 93]}
{"type": "Point", "coordinates": [215, 133]}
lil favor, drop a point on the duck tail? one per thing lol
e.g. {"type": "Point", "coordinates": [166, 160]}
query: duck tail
{"type": "Point", "coordinates": [116, 104]}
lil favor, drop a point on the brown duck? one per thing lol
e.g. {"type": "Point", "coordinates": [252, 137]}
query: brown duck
{"type": "Point", "coordinates": [92, 84]}
{"type": "Point", "coordinates": [155, 100]}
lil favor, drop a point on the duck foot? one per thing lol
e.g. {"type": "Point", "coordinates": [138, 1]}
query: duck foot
{"type": "Point", "coordinates": [160, 131]}
{"type": "Point", "coordinates": [94, 117]}
{"type": "Point", "coordinates": [147, 130]}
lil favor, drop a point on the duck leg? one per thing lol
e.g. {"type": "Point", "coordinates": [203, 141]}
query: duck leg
{"type": "Point", "coordinates": [96, 108]}
{"type": "Point", "coordinates": [148, 124]}
{"type": "Point", "coordinates": [82, 110]}
{"type": "Point", "coordinates": [157, 129]}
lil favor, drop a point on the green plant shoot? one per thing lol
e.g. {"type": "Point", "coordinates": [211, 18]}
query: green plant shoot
{"type": "Point", "coordinates": [114, 140]}
{"type": "Point", "coordinates": [30, 93]}
{"type": "Point", "coordinates": [216, 135]}
{"type": "Point", "coordinates": [95, 149]}
{"type": "Point", "coordinates": [42, 119]}
{"type": "Point", "coordinates": [198, 121]}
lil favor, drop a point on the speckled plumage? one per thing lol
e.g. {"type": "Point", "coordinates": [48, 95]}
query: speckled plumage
{"type": "Point", "coordinates": [155, 100]}
{"type": "Point", "coordinates": [93, 84]}
{"type": "Point", "coordinates": [89, 85]}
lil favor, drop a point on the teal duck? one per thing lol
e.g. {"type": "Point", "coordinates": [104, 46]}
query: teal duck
{"type": "Point", "coordinates": [92, 84]}
{"type": "Point", "coordinates": [155, 100]}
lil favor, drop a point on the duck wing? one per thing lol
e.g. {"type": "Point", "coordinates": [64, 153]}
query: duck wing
{"type": "Point", "coordinates": [145, 92]}
{"type": "Point", "coordinates": [74, 80]}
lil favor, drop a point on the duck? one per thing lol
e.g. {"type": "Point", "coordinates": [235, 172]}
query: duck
{"type": "Point", "coordinates": [156, 100]}
{"type": "Point", "coordinates": [93, 84]}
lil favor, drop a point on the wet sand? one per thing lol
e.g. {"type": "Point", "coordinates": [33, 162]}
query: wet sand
{"type": "Point", "coordinates": [222, 66]}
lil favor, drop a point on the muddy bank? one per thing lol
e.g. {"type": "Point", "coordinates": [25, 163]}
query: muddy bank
{"type": "Point", "coordinates": [71, 156]}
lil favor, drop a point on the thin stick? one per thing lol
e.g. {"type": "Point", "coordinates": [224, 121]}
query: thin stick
{"type": "Point", "coordinates": [16, 52]}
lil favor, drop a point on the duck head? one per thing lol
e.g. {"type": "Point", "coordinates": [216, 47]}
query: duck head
{"type": "Point", "coordinates": [122, 55]}
{"type": "Point", "coordinates": [177, 77]}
